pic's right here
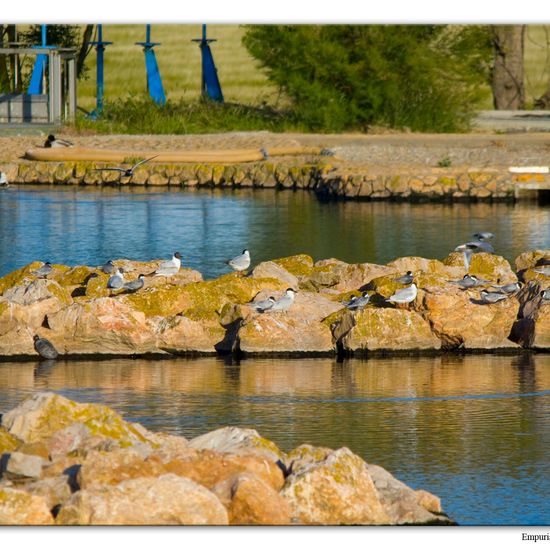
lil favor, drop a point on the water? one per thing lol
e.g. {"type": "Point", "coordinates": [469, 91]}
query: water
{"type": "Point", "coordinates": [76, 225]}
{"type": "Point", "coordinates": [473, 430]}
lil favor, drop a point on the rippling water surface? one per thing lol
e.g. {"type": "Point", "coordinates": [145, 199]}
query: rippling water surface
{"type": "Point", "coordinates": [76, 225]}
{"type": "Point", "coordinates": [474, 430]}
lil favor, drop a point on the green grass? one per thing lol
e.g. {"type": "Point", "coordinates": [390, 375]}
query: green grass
{"type": "Point", "coordinates": [139, 115]}
{"type": "Point", "coordinates": [179, 64]}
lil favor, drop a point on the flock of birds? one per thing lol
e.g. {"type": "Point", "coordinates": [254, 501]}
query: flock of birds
{"type": "Point", "coordinates": [241, 263]}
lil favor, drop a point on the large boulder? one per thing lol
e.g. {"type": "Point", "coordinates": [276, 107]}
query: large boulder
{"type": "Point", "coordinates": [272, 270]}
{"type": "Point", "coordinates": [532, 328]}
{"type": "Point", "coordinates": [403, 505]}
{"type": "Point", "coordinates": [18, 507]}
{"type": "Point", "coordinates": [249, 500]}
{"type": "Point", "coordinates": [460, 319]}
{"type": "Point", "coordinates": [166, 500]}
{"type": "Point", "coordinates": [40, 416]}
{"type": "Point", "coordinates": [101, 326]}
{"type": "Point", "coordinates": [334, 490]}
{"type": "Point", "coordinates": [384, 329]}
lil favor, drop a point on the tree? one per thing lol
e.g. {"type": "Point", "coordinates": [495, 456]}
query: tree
{"type": "Point", "coordinates": [507, 79]}
{"type": "Point", "coordinates": [424, 77]}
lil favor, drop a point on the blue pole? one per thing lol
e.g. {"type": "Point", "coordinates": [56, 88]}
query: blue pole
{"type": "Point", "coordinates": [100, 49]}
{"type": "Point", "coordinates": [36, 85]}
{"type": "Point", "coordinates": [154, 81]}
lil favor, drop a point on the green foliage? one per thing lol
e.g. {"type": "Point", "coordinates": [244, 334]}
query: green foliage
{"type": "Point", "coordinates": [64, 36]}
{"type": "Point", "coordinates": [140, 115]}
{"type": "Point", "coordinates": [445, 162]}
{"type": "Point", "coordinates": [424, 77]}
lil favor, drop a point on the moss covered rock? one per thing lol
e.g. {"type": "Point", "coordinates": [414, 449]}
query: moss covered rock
{"type": "Point", "coordinates": [42, 415]}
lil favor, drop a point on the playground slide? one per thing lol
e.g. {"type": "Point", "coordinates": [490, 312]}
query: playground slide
{"type": "Point", "coordinates": [120, 156]}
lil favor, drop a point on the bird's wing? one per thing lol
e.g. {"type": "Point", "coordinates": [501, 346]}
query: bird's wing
{"type": "Point", "coordinates": [112, 168]}
{"type": "Point", "coordinates": [142, 161]}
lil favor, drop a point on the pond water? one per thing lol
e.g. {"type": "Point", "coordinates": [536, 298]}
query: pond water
{"type": "Point", "coordinates": [474, 430]}
{"type": "Point", "coordinates": [79, 225]}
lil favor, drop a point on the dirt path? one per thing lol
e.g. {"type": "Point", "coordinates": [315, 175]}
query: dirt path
{"type": "Point", "coordinates": [475, 150]}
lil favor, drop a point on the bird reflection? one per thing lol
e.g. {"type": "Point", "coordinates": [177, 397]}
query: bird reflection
{"type": "Point", "coordinates": [42, 371]}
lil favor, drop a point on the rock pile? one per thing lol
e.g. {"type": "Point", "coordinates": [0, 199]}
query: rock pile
{"type": "Point", "coordinates": [69, 463]}
{"type": "Point", "coordinates": [183, 314]}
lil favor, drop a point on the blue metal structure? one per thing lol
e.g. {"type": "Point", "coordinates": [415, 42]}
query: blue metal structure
{"type": "Point", "coordinates": [39, 69]}
{"type": "Point", "coordinates": [210, 85]}
{"type": "Point", "coordinates": [100, 49]}
{"type": "Point", "coordinates": [154, 81]}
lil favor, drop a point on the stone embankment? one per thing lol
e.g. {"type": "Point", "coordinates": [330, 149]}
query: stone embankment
{"type": "Point", "coordinates": [183, 314]}
{"type": "Point", "coordinates": [68, 463]}
{"type": "Point", "coordinates": [328, 178]}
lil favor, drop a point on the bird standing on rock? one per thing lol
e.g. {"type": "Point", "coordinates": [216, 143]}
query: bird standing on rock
{"type": "Point", "coordinates": [262, 305]}
{"type": "Point", "coordinates": [488, 297]}
{"type": "Point", "coordinates": [44, 348]}
{"type": "Point", "coordinates": [116, 281]}
{"type": "Point", "coordinates": [240, 262]}
{"type": "Point", "coordinates": [43, 271]}
{"type": "Point", "coordinates": [404, 295]}
{"type": "Point", "coordinates": [108, 267]}
{"type": "Point", "coordinates": [169, 267]}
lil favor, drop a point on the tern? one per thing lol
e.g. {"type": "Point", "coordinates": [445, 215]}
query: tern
{"type": "Point", "coordinates": [169, 267]}
{"type": "Point", "coordinates": [284, 303]}
{"type": "Point", "coordinates": [116, 281]}
{"type": "Point", "coordinates": [262, 305]}
{"type": "Point", "coordinates": [134, 285]}
{"type": "Point", "coordinates": [406, 279]}
{"type": "Point", "coordinates": [404, 295]}
{"type": "Point", "coordinates": [108, 267]}
{"type": "Point", "coordinates": [127, 172]}
{"type": "Point", "coordinates": [509, 288]}
{"type": "Point", "coordinates": [356, 303]}
{"type": "Point", "coordinates": [43, 271]}
{"type": "Point", "coordinates": [44, 348]}
{"type": "Point", "coordinates": [240, 262]}
{"type": "Point", "coordinates": [476, 246]}
{"type": "Point", "coordinates": [469, 281]}
{"type": "Point", "coordinates": [52, 141]}
{"type": "Point", "coordinates": [492, 297]}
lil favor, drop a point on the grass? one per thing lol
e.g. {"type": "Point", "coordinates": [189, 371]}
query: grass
{"type": "Point", "coordinates": [179, 64]}
{"type": "Point", "coordinates": [139, 115]}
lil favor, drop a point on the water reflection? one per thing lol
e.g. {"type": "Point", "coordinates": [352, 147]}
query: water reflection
{"type": "Point", "coordinates": [75, 225]}
{"type": "Point", "coordinates": [474, 429]}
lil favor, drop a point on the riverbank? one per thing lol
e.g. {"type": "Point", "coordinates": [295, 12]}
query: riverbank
{"type": "Point", "coordinates": [393, 166]}
{"type": "Point", "coordinates": [183, 314]}
{"type": "Point", "coordinates": [67, 463]}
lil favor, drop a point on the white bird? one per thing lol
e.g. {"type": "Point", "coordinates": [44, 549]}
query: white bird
{"type": "Point", "coordinates": [52, 141]}
{"type": "Point", "coordinates": [108, 267]}
{"type": "Point", "coordinates": [169, 267]}
{"type": "Point", "coordinates": [116, 281]}
{"type": "Point", "coordinates": [492, 297]}
{"type": "Point", "coordinates": [3, 180]}
{"type": "Point", "coordinates": [240, 262]}
{"type": "Point", "coordinates": [127, 172]}
{"type": "Point", "coordinates": [356, 303]}
{"type": "Point", "coordinates": [284, 303]}
{"type": "Point", "coordinates": [262, 305]}
{"type": "Point", "coordinates": [404, 295]}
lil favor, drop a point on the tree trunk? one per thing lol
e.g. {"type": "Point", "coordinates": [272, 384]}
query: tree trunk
{"type": "Point", "coordinates": [84, 49]}
{"type": "Point", "coordinates": [507, 84]}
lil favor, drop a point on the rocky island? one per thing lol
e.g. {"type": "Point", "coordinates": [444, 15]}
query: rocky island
{"type": "Point", "coordinates": [183, 314]}
{"type": "Point", "coordinates": [68, 463]}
